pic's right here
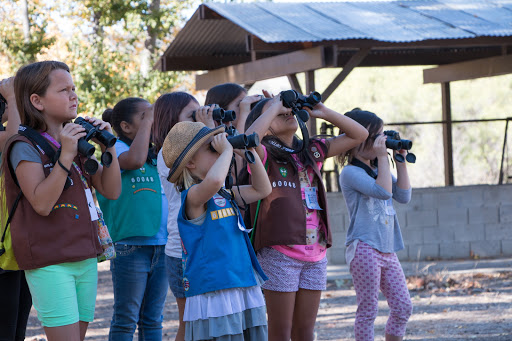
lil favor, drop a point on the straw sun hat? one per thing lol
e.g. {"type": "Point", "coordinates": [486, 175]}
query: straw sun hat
{"type": "Point", "coordinates": [182, 142]}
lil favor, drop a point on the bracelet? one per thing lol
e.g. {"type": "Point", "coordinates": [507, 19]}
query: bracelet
{"type": "Point", "coordinates": [64, 167]}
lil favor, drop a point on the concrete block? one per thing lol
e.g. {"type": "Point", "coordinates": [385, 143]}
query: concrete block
{"type": "Point", "coordinates": [403, 255]}
{"type": "Point", "coordinates": [454, 250]}
{"type": "Point", "coordinates": [496, 194]}
{"type": "Point", "coordinates": [402, 217]}
{"type": "Point", "coordinates": [498, 232]}
{"type": "Point", "coordinates": [506, 213]}
{"type": "Point", "coordinates": [412, 236]}
{"type": "Point", "coordinates": [337, 223]}
{"type": "Point", "coordinates": [421, 218]}
{"type": "Point", "coordinates": [422, 201]}
{"type": "Point", "coordinates": [506, 247]}
{"type": "Point", "coordinates": [484, 215]}
{"type": "Point", "coordinates": [452, 216]}
{"type": "Point", "coordinates": [423, 251]}
{"type": "Point", "coordinates": [469, 233]}
{"type": "Point", "coordinates": [441, 234]}
{"type": "Point", "coordinates": [460, 197]}
{"type": "Point", "coordinates": [338, 239]}
{"type": "Point", "coordinates": [486, 248]}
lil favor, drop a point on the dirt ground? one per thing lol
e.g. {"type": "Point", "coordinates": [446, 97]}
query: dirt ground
{"type": "Point", "coordinates": [475, 306]}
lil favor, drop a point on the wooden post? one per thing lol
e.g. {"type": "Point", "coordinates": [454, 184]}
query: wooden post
{"type": "Point", "coordinates": [447, 134]}
{"type": "Point", "coordinates": [310, 86]}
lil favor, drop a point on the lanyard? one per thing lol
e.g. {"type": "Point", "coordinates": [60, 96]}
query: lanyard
{"type": "Point", "coordinates": [367, 169]}
{"type": "Point", "coordinates": [57, 144]}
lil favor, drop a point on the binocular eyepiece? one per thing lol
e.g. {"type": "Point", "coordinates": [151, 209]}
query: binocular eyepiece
{"type": "Point", "coordinates": [242, 141]}
{"type": "Point", "coordinates": [87, 149]}
{"type": "Point", "coordinates": [395, 142]}
{"type": "Point", "coordinates": [220, 115]}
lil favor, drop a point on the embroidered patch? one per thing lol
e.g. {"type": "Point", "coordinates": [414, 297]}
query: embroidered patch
{"type": "Point", "coordinates": [313, 149]}
{"type": "Point", "coordinates": [219, 201]}
{"type": "Point", "coordinates": [283, 171]}
{"type": "Point", "coordinates": [76, 216]}
{"type": "Point", "coordinates": [143, 170]}
{"type": "Point", "coordinates": [64, 206]}
{"type": "Point", "coordinates": [144, 189]}
{"type": "Point", "coordinates": [316, 155]}
{"type": "Point", "coordinates": [186, 284]}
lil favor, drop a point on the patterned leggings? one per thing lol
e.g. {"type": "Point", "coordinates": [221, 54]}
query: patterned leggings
{"type": "Point", "coordinates": [370, 270]}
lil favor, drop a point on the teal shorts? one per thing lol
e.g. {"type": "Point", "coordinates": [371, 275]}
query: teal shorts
{"type": "Point", "coordinates": [64, 293]}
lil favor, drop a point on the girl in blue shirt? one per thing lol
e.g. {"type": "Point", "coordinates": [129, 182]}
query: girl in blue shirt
{"type": "Point", "coordinates": [137, 223]}
{"type": "Point", "coordinates": [373, 236]}
{"type": "Point", "coordinates": [221, 274]}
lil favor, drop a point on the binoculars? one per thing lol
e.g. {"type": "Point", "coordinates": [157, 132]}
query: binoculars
{"type": "Point", "coordinates": [220, 115]}
{"type": "Point", "coordinates": [3, 103]}
{"type": "Point", "coordinates": [297, 102]}
{"type": "Point", "coordinates": [395, 142]}
{"type": "Point", "coordinates": [87, 149]}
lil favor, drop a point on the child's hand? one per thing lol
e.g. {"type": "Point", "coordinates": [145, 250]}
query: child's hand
{"type": "Point", "coordinates": [69, 137]}
{"type": "Point", "coordinates": [379, 146]}
{"type": "Point", "coordinates": [221, 144]}
{"type": "Point", "coordinates": [97, 122]}
{"type": "Point", "coordinates": [149, 114]}
{"type": "Point", "coordinates": [205, 115]}
{"type": "Point", "coordinates": [317, 112]}
{"type": "Point", "coordinates": [245, 104]}
{"type": "Point", "coordinates": [7, 88]}
{"type": "Point", "coordinates": [267, 94]}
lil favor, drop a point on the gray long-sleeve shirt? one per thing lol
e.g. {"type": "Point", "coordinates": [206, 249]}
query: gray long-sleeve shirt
{"type": "Point", "coordinates": [373, 219]}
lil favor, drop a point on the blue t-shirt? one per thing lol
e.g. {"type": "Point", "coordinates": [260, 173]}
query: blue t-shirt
{"type": "Point", "coordinates": [160, 238]}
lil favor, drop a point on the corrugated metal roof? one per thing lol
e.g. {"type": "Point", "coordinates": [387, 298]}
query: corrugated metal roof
{"type": "Point", "coordinates": [388, 22]}
{"type": "Point", "coordinates": [393, 21]}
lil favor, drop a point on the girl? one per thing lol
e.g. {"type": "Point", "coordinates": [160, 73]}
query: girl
{"type": "Point", "coordinates": [292, 229]}
{"type": "Point", "coordinates": [15, 302]}
{"type": "Point", "coordinates": [373, 236]}
{"type": "Point", "coordinates": [137, 222]}
{"type": "Point", "coordinates": [231, 96]}
{"type": "Point", "coordinates": [170, 109]}
{"type": "Point", "coordinates": [59, 261]}
{"type": "Point", "coordinates": [221, 273]}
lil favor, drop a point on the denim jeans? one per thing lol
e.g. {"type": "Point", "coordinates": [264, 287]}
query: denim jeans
{"type": "Point", "coordinates": [140, 286]}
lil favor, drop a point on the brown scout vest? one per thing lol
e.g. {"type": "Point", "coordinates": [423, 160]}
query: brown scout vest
{"type": "Point", "coordinates": [67, 234]}
{"type": "Point", "coordinates": [282, 217]}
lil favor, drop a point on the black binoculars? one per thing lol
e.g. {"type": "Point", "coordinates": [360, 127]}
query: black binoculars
{"type": "Point", "coordinates": [220, 115]}
{"type": "Point", "coordinates": [87, 149]}
{"type": "Point", "coordinates": [395, 142]}
{"type": "Point", "coordinates": [242, 141]}
{"type": "Point", "coordinates": [297, 102]}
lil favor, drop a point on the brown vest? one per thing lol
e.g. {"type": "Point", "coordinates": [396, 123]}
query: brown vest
{"type": "Point", "coordinates": [67, 234]}
{"type": "Point", "coordinates": [282, 217]}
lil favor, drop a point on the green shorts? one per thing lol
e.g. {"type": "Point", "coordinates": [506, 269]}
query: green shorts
{"type": "Point", "coordinates": [64, 293]}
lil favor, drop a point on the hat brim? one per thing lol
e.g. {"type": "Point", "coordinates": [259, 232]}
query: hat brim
{"type": "Point", "coordinates": [201, 137]}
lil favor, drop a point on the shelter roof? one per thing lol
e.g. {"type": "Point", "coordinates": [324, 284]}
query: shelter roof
{"type": "Point", "coordinates": [415, 32]}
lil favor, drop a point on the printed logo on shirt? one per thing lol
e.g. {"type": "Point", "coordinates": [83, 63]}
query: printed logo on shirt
{"type": "Point", "coordinates": [219, 201]}
{"type": "Point", "coordinates": [224, 213]}
{"type": "Point", "coordinates": [283, 171]}
{"type": "Point", "coordinates": [186, 284]}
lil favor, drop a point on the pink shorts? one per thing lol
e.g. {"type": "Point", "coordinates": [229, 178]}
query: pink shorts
{"type": "Point", "coordinates": [286, 274]}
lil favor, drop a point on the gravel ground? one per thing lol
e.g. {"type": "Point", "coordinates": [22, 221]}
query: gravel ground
{"type": "Point", "coordinates": [476, 306]}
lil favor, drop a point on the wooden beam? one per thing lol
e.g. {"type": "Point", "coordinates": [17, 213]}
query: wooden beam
{"type": "Point", "coordinates": [281, 65]}
{"type": "Point", "coordinates": [486, 67]}
{"type": "Point", "coordinates": [353, 62]}
{"type": "Point", "coordinates": [294, 82]}
{"type": "Point", "coordinates": [310, 87]}
{"type": "Point", "coordinates": [447, 134]}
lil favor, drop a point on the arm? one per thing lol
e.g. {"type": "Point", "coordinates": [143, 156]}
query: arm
{"type": "Point", "coordinates": [354, 135]}
{"type": "Point", "coordinates": [43, 192]}
{"type": "Point", "coordinates": [355, 178]}
{"type": "Point", "coordinates": [107, 180]}
{"type": "Point", "coordinates": [402, 188]}
{"type": "Point", "coordinates": [136, 156]}
{"type": "Point", "coordinates": [11, 112]}
{"type": "Point", "coordinates": [384, 179]}
{"type": "Point", "coordinates": [262, 123]}
{"type": "Point", "coordinates": [245, 109]}
{"type": "Point", "coordinates": [214, 179]}
{"type": "Point", "coordinates": [260, 184]}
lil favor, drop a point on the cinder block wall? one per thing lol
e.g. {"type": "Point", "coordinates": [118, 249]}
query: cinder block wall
{"type": "Point", "coordinates": [442, 223]}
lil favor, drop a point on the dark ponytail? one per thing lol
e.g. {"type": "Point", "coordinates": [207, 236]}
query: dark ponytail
{"type": "Point", "coordinates": [124, 110]}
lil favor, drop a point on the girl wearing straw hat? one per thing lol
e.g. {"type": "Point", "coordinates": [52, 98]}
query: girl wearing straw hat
{"type": "Point", "coordinates": [222, 276]}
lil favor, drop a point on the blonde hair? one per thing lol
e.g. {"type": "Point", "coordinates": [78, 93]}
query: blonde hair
{"type": "Point", "coordinates": [186, 180]}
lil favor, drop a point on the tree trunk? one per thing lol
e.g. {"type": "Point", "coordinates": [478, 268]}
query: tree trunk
{"type": "Point", "coordinates": [26, 21]}
{"type": "Point", "coordinates": [150, 43]}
